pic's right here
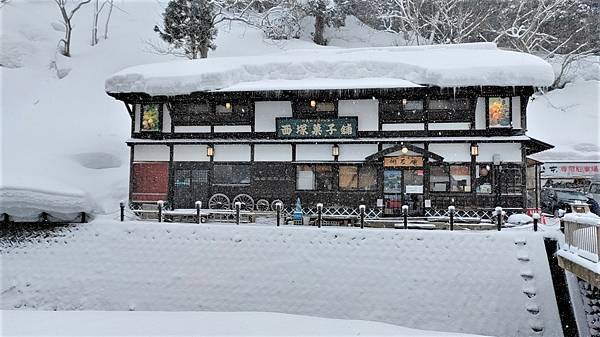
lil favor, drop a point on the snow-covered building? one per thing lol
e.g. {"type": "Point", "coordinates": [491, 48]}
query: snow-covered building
{"type": "Point", "coordinates": [424, 126]}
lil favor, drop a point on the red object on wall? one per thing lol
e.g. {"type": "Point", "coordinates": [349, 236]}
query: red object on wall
{"type": "Point", "coordinates": [150, 181]}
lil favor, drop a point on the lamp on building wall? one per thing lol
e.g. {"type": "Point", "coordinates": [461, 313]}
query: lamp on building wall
{"type": "Point", "coordinates": [474, 150]}
{"type": "Point", "coordinates": [313, 103]}
{"type": "Point", "coordinates": [335, 150]}
{"type": "Point", "coordinates": [404, 149]}
{"type": "Point", "coordinates": [210, 151]}
{"type": "Point", "coordinates": [227, 105]}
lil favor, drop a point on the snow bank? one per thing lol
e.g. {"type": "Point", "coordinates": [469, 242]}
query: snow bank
{"type": "Point", "coordinates": [470, 282]}
{"type": "Point", "coordinates": [153, 323]}
{"type": "Point", "coordinates": [26, 204]}
{"type": "Point", "coordinates": [457, 65]}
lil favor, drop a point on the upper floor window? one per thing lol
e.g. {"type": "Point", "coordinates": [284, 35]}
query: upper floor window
{"type": "Point", "coordinates": [449, 110]}
{"type": "Point", "coordinates": [190, 113]}
{"type": "Point", "coordinates": [401, 110]}
{"type": "Point", "coordinates": [314, 108]}
{"type": "Point", "coordinates": [499, 112]}
{"type": "Point", "coordinates": [150, 118]}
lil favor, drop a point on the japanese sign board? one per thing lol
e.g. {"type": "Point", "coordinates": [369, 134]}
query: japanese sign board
{"type": "Point", "coordinates": [344, 127]}
{"type": "Point", "coordinates": [569, 170]}
{"type": "Point", "coordinates": [403, 161]}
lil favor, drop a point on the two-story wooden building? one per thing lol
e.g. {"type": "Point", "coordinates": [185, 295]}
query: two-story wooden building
{"type": "Point", "coordinates": [424, 126]}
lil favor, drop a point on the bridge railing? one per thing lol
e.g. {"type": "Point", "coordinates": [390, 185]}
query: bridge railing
{"type": "Point", "coordinates": [582, 235]}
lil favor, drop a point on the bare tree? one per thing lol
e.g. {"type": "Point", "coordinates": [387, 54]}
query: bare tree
{"type": "Point", "coordinates": [67, 16]}
{"type": "Point", "coordinates": [110, 9]}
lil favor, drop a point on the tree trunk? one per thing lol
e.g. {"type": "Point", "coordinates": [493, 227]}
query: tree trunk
{"type": "Point", "coordinates": [319, 29]}
{"type": "Point", "coordinates": [204, 50]}
{"type": "Point", "coordinates": [67, 40]}
{"type": "Point", "coordinates": [108, 19]}
{"type": "Point", "coordinates": [95, 24]}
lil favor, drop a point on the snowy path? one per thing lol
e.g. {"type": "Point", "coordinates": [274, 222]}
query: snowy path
{"type": "Point", "coordinates": [489, 283]}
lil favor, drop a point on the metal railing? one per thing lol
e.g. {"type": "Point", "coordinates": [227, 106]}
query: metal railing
{"type": "Point", "coordinates": [582, 238]}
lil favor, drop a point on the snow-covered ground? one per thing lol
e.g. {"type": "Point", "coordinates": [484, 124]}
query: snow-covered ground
{"type": "Point", "coordinates": [160, 323]}
{"type": "Point", "coordinates": [429, 280]}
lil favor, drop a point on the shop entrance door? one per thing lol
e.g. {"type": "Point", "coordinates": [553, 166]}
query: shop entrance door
{"type": "Point", "coordinates": [402, 186]}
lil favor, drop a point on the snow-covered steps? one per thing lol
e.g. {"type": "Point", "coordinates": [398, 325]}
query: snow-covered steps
{"type": "Point", "coordinates": [488, 283]}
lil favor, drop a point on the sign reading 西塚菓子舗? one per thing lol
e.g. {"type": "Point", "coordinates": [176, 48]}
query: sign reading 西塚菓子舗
{"type": "Point", "coordinates": [344, 127]}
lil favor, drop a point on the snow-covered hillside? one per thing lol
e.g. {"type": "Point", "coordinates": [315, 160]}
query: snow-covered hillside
{"type": "Point", "coordinates": [63, 140]}
{"type": "Point", "coordinates": [569, 119]}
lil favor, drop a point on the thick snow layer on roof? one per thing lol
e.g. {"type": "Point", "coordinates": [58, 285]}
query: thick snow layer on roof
{"type": "Point", "coordinates": [462, 281]}
{"type": "Point", "coordinates": [442, 65]}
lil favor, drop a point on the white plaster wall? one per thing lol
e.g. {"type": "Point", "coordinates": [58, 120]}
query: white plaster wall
{"type": "Point", "coordinates": [192, 128]}
{"type": "Point", "coordinates": [449, 126]}
{"type": "Point", "coordinates": [367, 111]}
{"type": "Point", "coordinates": [399, 153]}
{"type": "Point", "coordinates": [266, 112]}
{"type": "Point", "coordinates": [480, 114]}
{"type": "Point", "coordinates": [516, 112]}
{"type": "Point", "coordinates": [508, 152]}
{"type": "Point", "coordinates": [166, 124]}
{"type": "Point", "coordinates": [452, 152]}
{"type": "Point", "coordinates": [403, 127]}
{"type": "Point", "coordinates": [233, 128]}
{"type": "Point", "coordinates": [150, 153]}
{"type": "Point", "coordinates": [137, 117]}
{"type": "Point", "coordinates": [190, 153]}
{"type": "Point", "coordinates": [356, 152]}
{"type": "Point", "coordinates": [232, 153]}
{"type": "Point", "coordinates": [314, 152]}
{"type": "Point", "coordinates": [273, 152]}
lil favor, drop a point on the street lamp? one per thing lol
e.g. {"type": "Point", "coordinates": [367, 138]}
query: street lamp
{"type": "Point", "coordinates": [335, 150]}
{"type": "Point", "coordinates": [210, 151]}
{"type": "Point", "coordinates": [474, 150]}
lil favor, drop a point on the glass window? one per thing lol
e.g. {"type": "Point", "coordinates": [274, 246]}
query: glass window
{"type": "Point", "coordinates": [483, 179]}
{"type": "Point", "coordinates": [460, 178]}
{"type": "Point", "coordinates": [362, 178]}
{"type": "Point", "coordinates": [232, 174]}
{"type": "Point", "coordinates": [325, 107]}
{"type": "Point", "coordinates": [413, 181]}
{"type": "Point", "coordinates": [305, 178]}
{"type": "Point", "coordinates": [499, 112]}
{"type": "Point", "coordinates": [392, 181]}
{"type": "Point", "coordinates": [367, 179]}
{"type": "Point", "coordinates": [413, 106]}
{"type": "Point", "coordinates": [439, 179]}
{"type": "Point", "coordinates": [449, 104]}
{"type": "Point", "coordinates": [314, 177]}
{"type": "Point", "coordinates": [348, 177]}
{"type": "Point", "coordinates": [226, 108]}
{"type": "Point", "coordinates": [150, 118]}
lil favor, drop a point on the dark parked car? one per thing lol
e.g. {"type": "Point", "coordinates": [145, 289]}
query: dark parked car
{"type": "Point", "coordinates": [554, 199]}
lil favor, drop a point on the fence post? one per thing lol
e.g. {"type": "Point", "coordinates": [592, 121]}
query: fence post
{"type": "Point", "coordinates": [238, 207]}
{"type": "Point", "coordinates": [44, 217]}
{"type": "Point", "coordinates": [362, 209]}
{"type": "Point", "coordinates": [451, 210]}
{"type": "Point", "coordinates": [122, 208]}
{"type": "Point", "coordinates": [319, 214]}
{"type": "Point", "coordinates": [499, 219]}
{"type": "Point", "coordinates": [6, 219]}
{"type": "Point", "coordinates": [536, 218]}
{"type": "Point", "coordinates": [278, 207]}
{"type": "Point", "coordinates": [160, 205]}
{"type": "Point", "coordinates": [598, 241]}
{"type": "Point", "coordinates": [405, 215]}
{"type": "Point", "coordinates": [82, 217]}
{"type": "Point", "coordinates": [198, 207]}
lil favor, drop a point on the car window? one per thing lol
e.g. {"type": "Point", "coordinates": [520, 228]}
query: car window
{"type": "Point", "coordinates": [571, 195]}
{"type": "Point", "coordinates": [595, 188]}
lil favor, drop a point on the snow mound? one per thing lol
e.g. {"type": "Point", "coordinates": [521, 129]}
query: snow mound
{"type": "Point", "coordinates": [458, 65]}
{"type": "Point", "coordinates": [153, 323]}
{"type": "Point", "coordinates": [464, 282]}
{"type": "Point", "coordinates": [519, 219]}
{"type": "Point", "coordinates": [26, 204]}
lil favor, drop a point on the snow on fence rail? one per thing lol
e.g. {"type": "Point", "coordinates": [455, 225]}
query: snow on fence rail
{"type": "Point", "coordinates": [582, 235]}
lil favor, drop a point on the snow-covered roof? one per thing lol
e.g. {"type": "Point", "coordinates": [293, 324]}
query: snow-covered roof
{"type": "Point", "coordinates": [458, 65]}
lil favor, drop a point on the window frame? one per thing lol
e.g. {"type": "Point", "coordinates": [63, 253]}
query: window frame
{"type": "Point", "coordinates": [487, 113]}
{"type": "Point", "coordinates": [246, 165]}
{"type": "Point", "coordinates": [389, 114]}
{"type": "Point", "coordinates": [447, 169]}
{"type": "Point", "coordinates": [302, 109]}
{"type": "Point", "coordinates": [359, 170]}
{"type": "Point", "coordinates": [452, 114]}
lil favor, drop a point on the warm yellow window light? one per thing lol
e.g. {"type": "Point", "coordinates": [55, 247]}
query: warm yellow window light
{"type": "Point", "coordinates": [474, 150]}
{"type": "Point", "coordinates": [313, 103]}
{"type": "Point", "coordinates": [210, 151]}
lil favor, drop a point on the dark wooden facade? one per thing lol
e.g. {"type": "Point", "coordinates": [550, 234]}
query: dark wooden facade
{"type": "Point", "coordinates": [278, 179]}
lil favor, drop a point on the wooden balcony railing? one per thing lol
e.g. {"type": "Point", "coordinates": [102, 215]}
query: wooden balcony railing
{"type": "Point", "coordinates": [582, 236]}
